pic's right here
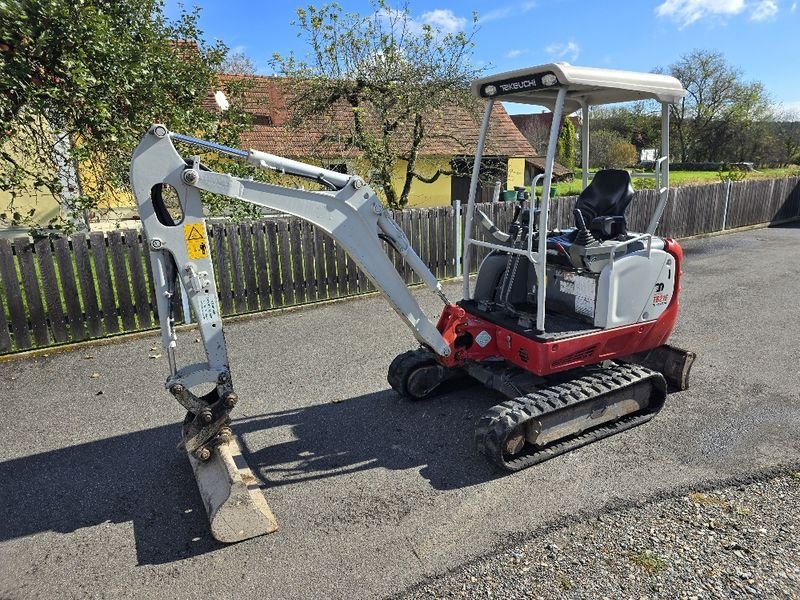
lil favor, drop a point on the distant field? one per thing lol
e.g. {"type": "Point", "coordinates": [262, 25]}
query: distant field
{"type": "Point", "coordinates": [679, 178]}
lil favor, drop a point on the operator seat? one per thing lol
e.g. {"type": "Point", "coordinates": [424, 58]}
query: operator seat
{"type": "Point", "coordinates": [604, 201]}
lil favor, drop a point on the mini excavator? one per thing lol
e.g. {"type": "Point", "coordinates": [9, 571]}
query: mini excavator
{"type": "Point", "coordinates": [569, 325]}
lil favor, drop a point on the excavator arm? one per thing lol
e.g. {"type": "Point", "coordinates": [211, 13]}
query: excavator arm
{"type": "Point", "coordinates": [349, 212]}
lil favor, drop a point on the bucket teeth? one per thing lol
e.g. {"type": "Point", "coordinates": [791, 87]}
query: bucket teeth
{"type": "Point", "coordinates": [232, 495]}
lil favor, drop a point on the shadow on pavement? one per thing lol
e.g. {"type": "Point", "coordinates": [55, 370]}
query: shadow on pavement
{"type": "Point", "coordinates": [375, 430]}
{"type": "Point", "coordinates": [141, 478]}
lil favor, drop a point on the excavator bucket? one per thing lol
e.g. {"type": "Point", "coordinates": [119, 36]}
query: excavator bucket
{"type": "Point", "coordinates": [232, 496]}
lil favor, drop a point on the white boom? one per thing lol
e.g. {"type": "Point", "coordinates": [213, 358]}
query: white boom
{"type": "Point", "coordinates": [350, 213]}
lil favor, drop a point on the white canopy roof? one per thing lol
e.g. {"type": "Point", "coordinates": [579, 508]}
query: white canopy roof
{"type": "Point", "coordinates": [539, 85]}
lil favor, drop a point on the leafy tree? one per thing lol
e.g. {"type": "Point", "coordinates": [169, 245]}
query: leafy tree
{"type": "Point", "coordinates": [637, 122]}
{"type": "Point", "coordinates": [394, 75]}
{"type": "Point", "coordinates": [81, 81]}
{"type": "Point", "coordinates": [718, 108]}
{"type": "Point", "coordinates": [566, 146]}
{"type": "Point", "coordinates": [609, 150]}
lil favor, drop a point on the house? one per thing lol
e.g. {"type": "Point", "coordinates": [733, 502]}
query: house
{"type": "Point", "coordinates": [450, 143]}
{"type": "Point", "coordinates": [536, 129]}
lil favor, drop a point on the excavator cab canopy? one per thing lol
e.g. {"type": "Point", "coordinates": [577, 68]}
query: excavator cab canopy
{"type": "Point", "coordinates": [585, 86]}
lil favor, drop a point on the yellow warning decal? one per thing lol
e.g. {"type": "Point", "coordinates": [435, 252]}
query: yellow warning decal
{"type": "Point", "coordinates": [196, 242]}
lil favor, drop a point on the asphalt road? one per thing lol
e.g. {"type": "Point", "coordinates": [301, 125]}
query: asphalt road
{"type": "Point", "coordinates": [373, 493]}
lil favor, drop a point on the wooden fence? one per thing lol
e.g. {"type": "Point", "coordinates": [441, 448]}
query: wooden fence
{"type": "Point", "coordinates": [55, 291]}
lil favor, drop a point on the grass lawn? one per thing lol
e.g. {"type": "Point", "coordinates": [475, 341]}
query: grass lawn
{"type": "Point", "coordinates": [679, 178]}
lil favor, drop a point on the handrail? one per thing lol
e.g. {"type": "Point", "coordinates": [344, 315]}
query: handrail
{"type": "Point", "coordinates": [632, 240]}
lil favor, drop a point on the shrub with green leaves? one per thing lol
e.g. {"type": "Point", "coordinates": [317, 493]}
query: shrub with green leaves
{"type": "Point", "coordinates": [81, 83]}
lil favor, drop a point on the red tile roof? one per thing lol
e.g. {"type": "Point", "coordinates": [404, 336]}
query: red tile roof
{"type": "Point", "coordinates": [451, 132]}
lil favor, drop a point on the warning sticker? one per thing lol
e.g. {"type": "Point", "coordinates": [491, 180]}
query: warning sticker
{"type": "Point", "coordinates": [196, 242]}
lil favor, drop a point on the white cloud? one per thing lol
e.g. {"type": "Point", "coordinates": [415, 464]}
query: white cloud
{"type": "Point", "coordinates": [496, 14]}
{"type": "Point", "coordinates": [687, 12]}
{"type": "Point", "coordinates": [793, 8]}
{"type": "Point", "coordinates": [444, 20]}
{"type": "Point", "coordinates": [507, 11]}
{"type": "Point", "coordinates": [569, 50]}
{"type": "Point", "coordinates": [764, 9]}
{"type": "Point", "coordinates": [515, 53]}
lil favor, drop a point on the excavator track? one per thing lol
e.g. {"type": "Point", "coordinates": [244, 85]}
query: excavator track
{"type": "Point", "coordinates": [515, 434]}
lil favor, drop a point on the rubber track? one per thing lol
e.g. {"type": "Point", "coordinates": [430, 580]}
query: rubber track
{"type": "Point", "coordinates": [498, 423]}
{"type": "Point", "coordinates": [404, 364]}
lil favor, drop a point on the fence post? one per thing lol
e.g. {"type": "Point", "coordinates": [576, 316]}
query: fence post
{"type": "Point", "coordinates": [727, 201]}
{"type": "Point", "coordinates": [457, 246]}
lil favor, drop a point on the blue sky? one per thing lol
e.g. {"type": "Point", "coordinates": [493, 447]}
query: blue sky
{"type": "Point", "coordinates": [761, 37]}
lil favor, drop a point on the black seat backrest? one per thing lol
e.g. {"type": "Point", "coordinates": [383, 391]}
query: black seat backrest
{"type": "Point", "coordinates": [608, 195]}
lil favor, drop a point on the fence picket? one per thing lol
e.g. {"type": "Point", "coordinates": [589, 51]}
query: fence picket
{"type": "Point", "coordinates": [298, 278]}
{"type": "Point", "coordinates": [331, 279]}
{"type": "Point", "coordinates": [262, 265]}
{"type": "Point", "coordinates": [273, 256]}
{"type": "Point", "coordinates": [321, 280]}
{"type": "Point", "coordinates": [100, 254]}
{"type": "Point", "coordinates": [310, 277]}
{"type": "Point", "coordinates": [287, 278]}
{"type": "Point", "coordinates": [250, 262]}
{"type": "Point", "coordinates": [30, 283]}
{"type": "Point", "coordinates": [5, 335]}
{"type": "Point", "coordinates": [223, 271]}
{"type": "Point", "coordinates": [70, 289]}
{"type": "Point", "coordinates": [16, 306]}
{"type": "Point", "coordinates": [235, 265]}
{"type": "Point", "coordinates": [52, 296]}
{"type": "Point", "coordinates": [121, 280]}
{"type": "Point", "coordinates": [136, 269]}
{"type": "Point", "coordinates": [83, 267]}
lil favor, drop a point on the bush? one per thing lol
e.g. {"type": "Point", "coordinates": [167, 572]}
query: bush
{"type": "Point", "coordinates": [609, 150]}
{"type": "Point", "coordinates": [732, 172]}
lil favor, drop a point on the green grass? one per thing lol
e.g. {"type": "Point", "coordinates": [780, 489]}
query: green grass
{"type": "Point", "coordinates": [680, 178]}
{"type": "Point", "coordinates": [650, 562]}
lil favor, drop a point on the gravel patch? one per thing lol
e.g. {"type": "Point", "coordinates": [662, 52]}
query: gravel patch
{"type": "Point", "coordinates": [736, 541]}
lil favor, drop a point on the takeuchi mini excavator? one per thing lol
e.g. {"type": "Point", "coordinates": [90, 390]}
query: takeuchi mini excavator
{"type": "Point", "coordinates": [569, 325]}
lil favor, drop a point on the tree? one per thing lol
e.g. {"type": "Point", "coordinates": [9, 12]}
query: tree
{"type": "Point", "coordinates": [82, 82]}
{"type": "Point", "coordinates": [609, 150]}
{"type": "Point", "coordinates": [637, 122]}
{"type": "Point", "coordinates": [566, 147]}
{"type": "Point", "coordinates": [238, 63]}
{"type": "Point", "coordinates": [717, 109]}
{"type": "Point", "coordinates": [394, 75]}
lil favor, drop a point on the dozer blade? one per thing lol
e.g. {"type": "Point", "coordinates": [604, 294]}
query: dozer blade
{"type": "Point", "coordinates": [673, 363]}
{"type": "Point", "coordinates": [231, 494]}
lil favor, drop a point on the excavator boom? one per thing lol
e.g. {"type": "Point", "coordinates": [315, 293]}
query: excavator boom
{"type": "Point", "coordinates": [349, 212]}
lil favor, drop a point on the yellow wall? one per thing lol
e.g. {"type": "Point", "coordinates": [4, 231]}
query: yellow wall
{"type": "Point", "coordinates": [110, 200]}
{"type": "Point", "coordinates": [425, 194]}
{"type": "Point", "coordinates": [516, 173]}
{"type": "Point", "coordinates": [46, 205]}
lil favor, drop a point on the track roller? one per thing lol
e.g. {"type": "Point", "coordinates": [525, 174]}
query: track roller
{"type": "Point", "coordinates": [524, 431]}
